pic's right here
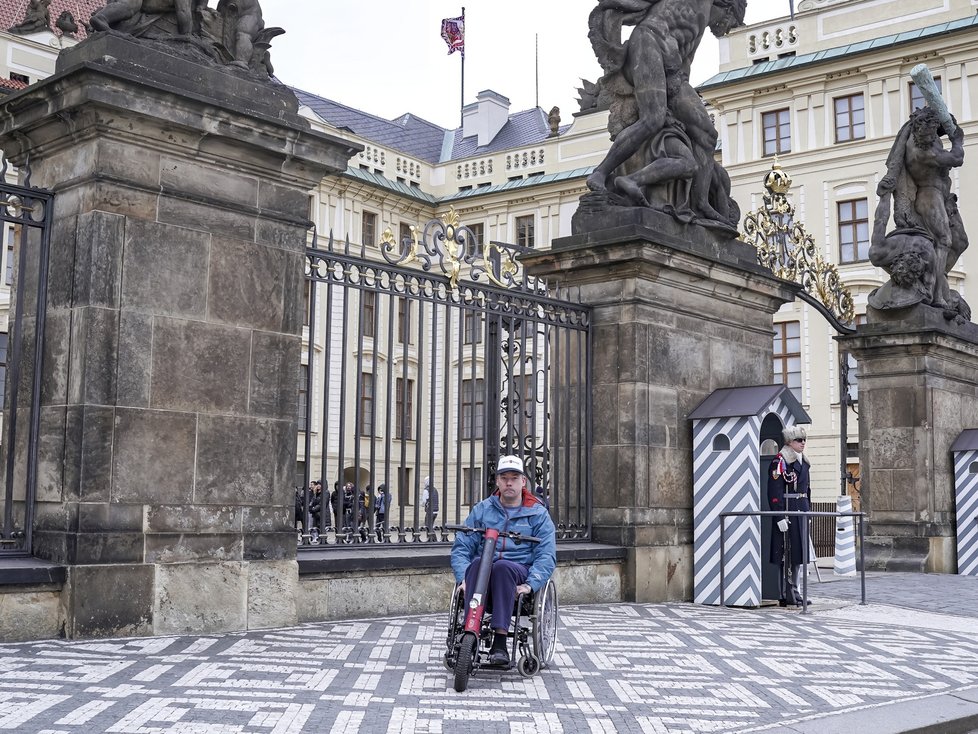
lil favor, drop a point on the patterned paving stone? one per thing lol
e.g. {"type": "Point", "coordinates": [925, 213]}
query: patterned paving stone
{"type": "Point", "coordinates": [618, 668]}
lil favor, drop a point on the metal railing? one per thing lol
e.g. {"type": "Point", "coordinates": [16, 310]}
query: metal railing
{"type": "Point", "coordinates": [823, 530]}
{"type": "Point", "coordinates": [409, 374]}
{"type": "Point", "coordinates": [805, 517]}
{"type": "Point", "coordinates": [26, 213]}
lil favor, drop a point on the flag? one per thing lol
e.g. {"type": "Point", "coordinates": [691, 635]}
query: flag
{"type": "Point", "coordinates": [453, 31]}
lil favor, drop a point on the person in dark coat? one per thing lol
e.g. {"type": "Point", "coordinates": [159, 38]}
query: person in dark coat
{"type": "Point", "coordinates": [789, 474]}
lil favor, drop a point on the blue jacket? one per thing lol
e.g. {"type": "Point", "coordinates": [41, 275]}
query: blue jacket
{"type": "Point", "coordinates": [532, 518]}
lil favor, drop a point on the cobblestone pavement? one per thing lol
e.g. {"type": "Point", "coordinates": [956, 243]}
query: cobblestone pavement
{"type": "Point", "coordinates": [654, 668]}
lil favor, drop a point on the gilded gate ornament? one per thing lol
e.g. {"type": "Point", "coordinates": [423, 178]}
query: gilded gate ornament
{"type": "Point", "coordinates": [787, 250]}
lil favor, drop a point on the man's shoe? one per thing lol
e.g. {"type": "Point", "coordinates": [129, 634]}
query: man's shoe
{"type": "Point", "coordinates": [498, 657]}
{"type": "Point", "coordinates": [782, 602]}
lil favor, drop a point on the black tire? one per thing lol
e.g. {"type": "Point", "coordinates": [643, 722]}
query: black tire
{"type": "Point", "coordinates": [463, 663]}
{"type": "Point", "coordinates": [545, 619]}
{"type": "Point", "coordinates": [528, 665]}
{"type": "Point", "coordinates": [455, 624]}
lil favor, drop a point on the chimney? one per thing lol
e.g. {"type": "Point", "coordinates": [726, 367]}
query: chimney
{"type": "Point", "coordinates": [485, 117]}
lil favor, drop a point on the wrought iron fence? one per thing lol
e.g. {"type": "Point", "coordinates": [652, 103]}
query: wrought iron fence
{"type": "Point", "coordinates": [823, 530]}
{"type": "Point", "coordinates": [426, 359]}
{"type": "Point", "coordinates": [26, 213]}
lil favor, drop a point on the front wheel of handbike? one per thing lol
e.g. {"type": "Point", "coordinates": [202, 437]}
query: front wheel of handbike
{"type": "Point", "coordinates": [463, 663]}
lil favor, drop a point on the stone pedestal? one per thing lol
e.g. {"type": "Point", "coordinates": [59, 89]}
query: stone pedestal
{"type": "Point", "coordinates": [173, 337]}
{"type": "Point", "coordinates": [676, 314]}
{"type": "Point", "coordinates": [918, 389]}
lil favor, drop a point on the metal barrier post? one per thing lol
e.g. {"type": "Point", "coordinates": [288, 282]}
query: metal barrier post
{"type": "Point", "coordinates": [723, 556]}
{"type": "Point", "coordinates": [805, 560]}
{"type": "Point", "coordinates": [862, 561]}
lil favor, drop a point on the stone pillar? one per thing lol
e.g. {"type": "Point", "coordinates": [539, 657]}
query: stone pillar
{"type": "Point", "coordinates": [674, 318]}
{"type": "Point", "coordinates": [173, 340]}
{"type": "Point", "coordinates": [918, 389]}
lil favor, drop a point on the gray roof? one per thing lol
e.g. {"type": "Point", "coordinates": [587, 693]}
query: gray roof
{"type": "Point", "coordinates": [520, 183]}
{"type": "Point", "coordinates": [790, 62]}
{"type": "Point", "coordinates": [967, 441]}
{"type": "Point", "coordinates": [409, 134]}
{"type": "Point", "coordinates": [730, 402]}
{"type": "Point", "coordinates": [419, 138]}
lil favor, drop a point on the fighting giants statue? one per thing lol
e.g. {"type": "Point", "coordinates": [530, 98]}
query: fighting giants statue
{"type": "Point", "coordinates": [234, 34]}
{"type": "Point", "coordinates": [930, 235]}
{"type": "Point", "coordinates": [663, 139]}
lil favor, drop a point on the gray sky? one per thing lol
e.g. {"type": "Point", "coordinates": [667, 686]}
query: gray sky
{"type": "Point", "coordinates": [387, 57]}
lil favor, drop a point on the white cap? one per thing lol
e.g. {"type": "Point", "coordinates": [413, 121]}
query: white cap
{"type": "Point", "coordinates": [510, 463]}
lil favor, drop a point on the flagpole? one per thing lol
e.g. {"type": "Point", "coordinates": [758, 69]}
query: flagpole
{"type": "Point", "coordinates": [536, 66]}
{"type": "Point", "coordinates": [461, 107]}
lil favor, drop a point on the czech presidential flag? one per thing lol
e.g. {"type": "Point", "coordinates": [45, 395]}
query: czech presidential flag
{"type": "Point", "coordinates": [453, 31]}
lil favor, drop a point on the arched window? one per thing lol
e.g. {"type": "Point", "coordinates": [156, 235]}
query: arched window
{"type": "Point", "coordinates": [721, 443]}
{"type": "Point", "coordinates": [973, 469]}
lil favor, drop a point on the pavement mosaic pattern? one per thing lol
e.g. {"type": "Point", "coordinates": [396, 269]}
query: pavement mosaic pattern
{"type": "Point", "coordinates": [618, 668]}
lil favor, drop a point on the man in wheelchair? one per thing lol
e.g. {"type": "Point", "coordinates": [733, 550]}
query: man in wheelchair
{"type": "Point", "coordinates": [517, 568]}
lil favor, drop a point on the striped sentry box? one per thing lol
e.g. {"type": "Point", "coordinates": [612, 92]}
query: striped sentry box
{"type": "Point", "coordinates": [966, 507]}
{"type": "Point", "coordinates": [727, 478]}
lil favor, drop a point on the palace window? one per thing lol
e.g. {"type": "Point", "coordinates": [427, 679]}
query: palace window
{"type": "Point", "coordinates": [472, 327]}
{"type": "Point", "coordinates": [787, 356]}
{"type": "Point", "coordinates": [404, 409]}
{"type": "Point", "coordinates": [777, 132]}
{"type": "Point", "coordinates": [368, 311]}
{"type": "Point", "coordinates": [368, 228]}
{"type": "Point", "coordinates": [853, 230]}
{"type": "Point", "coordinates": [366, 404]}
{"type": "Point", "coordinates": [916, 98]}
{"type": "Point", "coordinates": [472, 481]}
{"type": "Point", "coordinates": [473, 408]}
{"type": "Point", "coordinates": [850, 118]}
{"type": "Point", "coordinates": [303, 392]}
{"type": "Point", "coordinates": [525, 236]}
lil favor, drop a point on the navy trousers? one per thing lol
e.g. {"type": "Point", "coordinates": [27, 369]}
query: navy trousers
{"type": "Point", "coordinates": [503, 580]}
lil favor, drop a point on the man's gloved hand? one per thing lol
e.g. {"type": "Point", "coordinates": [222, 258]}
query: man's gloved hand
{"type": "Point", "coordinates": [783, 525]}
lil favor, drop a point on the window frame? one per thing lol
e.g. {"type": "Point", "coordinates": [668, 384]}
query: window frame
{"type": "Point", "coordinates": [852, 224]}
{"type": "Point", "coordinates": [781, 357]}
{"type": "Point", "coordinates": [849, 126]}
{"type": "Point", "coordinates": [524, 227]}
{"type": "Point", "coordinates": [778, 150]}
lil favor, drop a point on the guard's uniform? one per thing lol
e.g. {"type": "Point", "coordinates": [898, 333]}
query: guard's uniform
{"type": "Point", "coordinates": [789, 478]}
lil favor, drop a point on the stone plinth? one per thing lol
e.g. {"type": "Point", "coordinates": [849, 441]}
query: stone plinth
{"type": "Point", "coordinates": [918, 389]}
{"type": "Point", "coordinates": [173, 338]}
{"type": "Point", "coordinates": [673, 319]}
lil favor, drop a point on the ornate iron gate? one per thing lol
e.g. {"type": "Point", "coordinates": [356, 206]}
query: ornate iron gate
{"type": "Point", "coordinates": [425, 359]}
{"type": "Point", "coordinates": [26, 213]}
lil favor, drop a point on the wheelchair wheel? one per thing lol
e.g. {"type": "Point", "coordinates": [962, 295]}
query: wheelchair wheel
{"type": "Point", "coordinates": [544, 632]}
{"type": "Point", "coordinates": [528, 665]}
{"type": "Point", "coordinates": [456, 617]}
{"type": "Point", "coordinates": [463, 663]}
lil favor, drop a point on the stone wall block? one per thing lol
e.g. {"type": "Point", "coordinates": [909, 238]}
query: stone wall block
{"type": "Point", "coordinates": [165, 270]}
{"type": "Point", "coordinates": [110, 601]}
{"type": "Point", "coordinates": [52, 465]}
{"type": "Point", "coordinates": [180, 177]}
{"type": "Point", "coordinates": [633, 352]}
{"type": "Point", "coordinates": [275, 198]}
{"type": "Point", "coordinates": [94, 352]}
{"type": "Point", "coordinates": [193, 519]}
{"type": "Point", "coordinates": [269, 546]}
{"type": "Point", "coordinates": [192, 547]}
{"type": "Point", "coordinates": [245, 476]}
{"type": "Point", "coordinates": [61, 272]}
{"type": "Point", "coordinates": [95, 517]}
{"type": "Point", "coordinates": [672, 478]}
{"type": "Point", "coordinates": [135, 366]}
{"type": "Point", "coordinates": [98, 253]}
{"type": "Point", "coordinates": [139, 473]}
{"type": "Point", "coordinates": [604, 406]}
{"type": "Point", "coordinates": [208, 217]}
{"type": "Point", "coordinates": [286, 235]}
{"type": "Point", "coordinates": [273, 589]}
{"type": "Point", "coordinates": [274, 375]}
{"type": "Point", "coordinates": [246, 285]}
{"type": "Point", "coordinates": [95, 466]}
{"type": "Point", "coordinates": [894, 447]}
{"type": "Point", "coordinates": [270, 519]}
{"type": "Point", "coordinates": [678, 359]}
{"type": "Point", "coordinates": [200, 598]}
{"type": "Point", "coordinates": [200, 367]}
{"type": "Point", "coordinates": [134, 164]}
{"type": "Point", "coordinates": [57, 357]}
{"type": "Point", "coordinates": [31, 615]}
{"type": "Point", "coordinates": [633, 408]}
{"type": "Point", "coordinates": [105, 547]}
{"type": "Point", "coordinates": [605, 361]}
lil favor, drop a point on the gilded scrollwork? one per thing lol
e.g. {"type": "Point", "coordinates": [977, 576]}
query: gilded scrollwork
{"type": "Point", "coordinates": [454, 247]}
{"type": "Point", "coordinates": [790, 253]}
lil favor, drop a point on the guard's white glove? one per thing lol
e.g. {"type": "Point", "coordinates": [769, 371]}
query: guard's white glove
{"type": "Point", "coordinates": [783, 525]}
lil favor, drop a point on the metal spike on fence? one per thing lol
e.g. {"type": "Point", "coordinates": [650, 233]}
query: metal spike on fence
{"type": "Point", "coordinates": [845, 539]}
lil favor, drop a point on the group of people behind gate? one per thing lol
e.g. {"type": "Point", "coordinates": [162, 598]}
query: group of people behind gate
{"type": "Point", "coordinates": [353, 508]}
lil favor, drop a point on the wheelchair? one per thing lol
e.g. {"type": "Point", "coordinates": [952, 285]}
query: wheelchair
{"type": "Point", "coordinates": [532, 630]}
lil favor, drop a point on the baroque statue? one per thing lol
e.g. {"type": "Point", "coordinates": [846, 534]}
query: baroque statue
{"type": "Point", "coordinates": [663, 140]}
{"type": "Point", "coordinates": [37, 17]}
{"type": "Point", "coordinates": [234, 34]}
{"type": "Point", "coordinates": [929, 236]}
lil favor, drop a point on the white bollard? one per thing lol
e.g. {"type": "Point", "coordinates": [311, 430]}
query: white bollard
{"type": "Point", "coordinates": [845, 539]}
